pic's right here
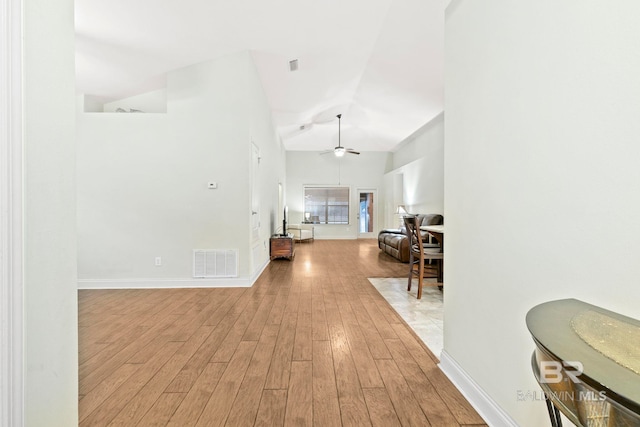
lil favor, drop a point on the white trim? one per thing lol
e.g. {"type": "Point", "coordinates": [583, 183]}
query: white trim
{"type": "Point", "coordinates": [488, 409]}
{"type": "Point", "coordinates": [171, 283]}
{"type": "Point", "coordinates": [227, 282]}
{"type": "Point", "coordinates": [259, 271]}
{"type": "Point", "coordinates": [372, 234]}
{"type": "Point", "coordinates": [336, 237]}
{"type": "Point", "coordinates": [11, 280]}
{"type": "Point", "coordinates": [163, 283]}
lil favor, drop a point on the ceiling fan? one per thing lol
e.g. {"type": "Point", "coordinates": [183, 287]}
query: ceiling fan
{"type": "Point", "coordinates": [340, 150]}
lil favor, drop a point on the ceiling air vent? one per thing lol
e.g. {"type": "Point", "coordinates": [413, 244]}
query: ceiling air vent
{"type": "Point", "coordinates": [293, 65]}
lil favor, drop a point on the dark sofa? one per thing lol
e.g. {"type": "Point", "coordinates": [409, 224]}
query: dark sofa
{"type": "Point", "coordinates": [394, 241]}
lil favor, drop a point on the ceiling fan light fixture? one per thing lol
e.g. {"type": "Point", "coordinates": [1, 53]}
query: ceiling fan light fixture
{"type": "Point", "coordinates": [340, 151]}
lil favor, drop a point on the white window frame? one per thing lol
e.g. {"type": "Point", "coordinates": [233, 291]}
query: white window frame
{"type": "Point", "coordinates": [320, 187]}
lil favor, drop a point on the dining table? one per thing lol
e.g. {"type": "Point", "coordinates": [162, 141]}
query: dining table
{"type": "Point", "coordinates": [437, 231]}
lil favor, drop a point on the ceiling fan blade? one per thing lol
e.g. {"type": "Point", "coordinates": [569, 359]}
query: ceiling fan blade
{"type": "Point", "coordinates": [352, 151]}
{"type": "Point", "coordinates": [326, 152]}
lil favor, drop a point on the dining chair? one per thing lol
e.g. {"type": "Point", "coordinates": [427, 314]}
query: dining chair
{"type": "Point", "coordinates": [421, 252]}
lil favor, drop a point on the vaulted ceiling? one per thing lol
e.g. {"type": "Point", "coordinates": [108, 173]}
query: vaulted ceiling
{"type": "Point", "coordinates": [379, 63]}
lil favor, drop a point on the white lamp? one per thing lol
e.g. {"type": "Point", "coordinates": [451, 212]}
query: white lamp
{"type": "Point", "coordinates": [400, 211]}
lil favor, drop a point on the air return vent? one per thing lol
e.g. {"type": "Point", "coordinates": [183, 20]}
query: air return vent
{"type": "Point", "coordinates": [215, 263]}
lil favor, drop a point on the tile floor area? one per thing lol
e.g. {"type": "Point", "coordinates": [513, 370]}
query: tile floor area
{"type": "Point", "coordinates": [424, 315]}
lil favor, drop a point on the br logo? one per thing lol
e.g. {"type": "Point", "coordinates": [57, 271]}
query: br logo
{"type": "Point", "coordinates": [553, 372]}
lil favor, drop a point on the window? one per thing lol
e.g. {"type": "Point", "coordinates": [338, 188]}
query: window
{"type": "Point", "coordinates": [326, 205]}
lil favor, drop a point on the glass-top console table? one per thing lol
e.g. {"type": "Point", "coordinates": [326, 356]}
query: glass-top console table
{"type": "Point", "coordinates": [587, 362]}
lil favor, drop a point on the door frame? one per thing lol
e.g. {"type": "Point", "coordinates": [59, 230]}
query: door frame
{"type": "Point", "coordinates": [372, 234]}
{"type": "Point", "coordinates": [11, 218]}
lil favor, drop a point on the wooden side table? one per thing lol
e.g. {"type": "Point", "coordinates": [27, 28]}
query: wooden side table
{"type": "Point", "coordinates": [282, 246]}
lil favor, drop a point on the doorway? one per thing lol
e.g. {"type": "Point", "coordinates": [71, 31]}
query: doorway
{"type": "Point", "coordinates": [367, 213]}
{"type": "Point", "coordinates": [255, 197]}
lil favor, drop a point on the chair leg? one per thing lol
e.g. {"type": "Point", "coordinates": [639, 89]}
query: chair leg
{"type": "Point", "coordinates": [411, 266]}
{"type": "Point", "coordinates": [420, 279]}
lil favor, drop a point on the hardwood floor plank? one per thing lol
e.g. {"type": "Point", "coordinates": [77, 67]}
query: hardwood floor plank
{"type": "Point", "coordinates": [162, 410]}
{"type": "Point", "coordinates": [299, 409]}
{"type": "Point", "coordinates": [191, 407]}
{"type": "Point", "coordinates": [319, 329]}
{"type": "Point", "coordinates": [96, 371]}
{"type": "Point", "coordinates": [207, 307]}
{"type": "Point", "coordinates": [416, 347]}
{"type": "Point", "coordinates": [86, 353]}
{"type": "Point", "coordinates": [117, 400]}
{"type": "Point", "coordinates": [224, 318]}
{"type": "Point", "coordinates": [96, 302]}
{"type": "Point", "coordinates": [387, 311]}
{"type": "Point", "coordinates": [137, 407]}
{"type": "Point", "coordinates": [302, 348]}
{"type": "Point", "coordinates": [427, 396]}
{"type": "Point", "coordinates": [277, 311]}
{"type": "Point", "coordinates": [457, 404]}
{"type": "Point", "coordinates": [96, 397]}
{"type": "Point", "coordinates": [353, 409]}
{"type": "Point", "coordinates": [189, 306]}
{"type": "Point", "coordinates": [293, 299]}
{"type": "Point", "coordinates": [278, 376]}
{"type": "Point", "coordinates": [362, 358]}
{"type": "Point", "coordinates": [326, 407]}
{"type": "Point", "coordinates": [381, 409]}
{"type": "Point", "coordinates": [245, 407]}
{"type": "Point", "coordinates": [217, 409]}
{"type": "Point", "coordinates": [138, 337]}
{"type": "Point", "coordinates": [152, 347]}
{"type": "Point", "coordinates": [372, 304]}
{"type": "Point", "coordinates": [369, 331]}
{"type": "Point", "coordinates": [404, 402]}
{"type": "Point", "coordinates": [254, 330]}
{"type": "Point", "coordinates": [228, 346]}
{"type": "Point", "coordinates": [219, 315]}
{"type": "Point", "coordinates": [272, 408]}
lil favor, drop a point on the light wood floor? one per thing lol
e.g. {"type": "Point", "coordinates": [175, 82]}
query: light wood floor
{"type": "Point", "coordinates": [311, 343]}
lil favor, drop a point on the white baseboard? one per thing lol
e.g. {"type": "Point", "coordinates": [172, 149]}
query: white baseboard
{"type": "Point", "coordinates": [232, 282]}
{"type": "Point", "coordinates": [227, 282]}
{"type": "Point", "coordinates": [488, 409]}
{"type": "Point", "coordinates": [259, 271]}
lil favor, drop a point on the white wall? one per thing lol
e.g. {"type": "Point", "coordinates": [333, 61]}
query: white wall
{"type": "Point", "coordinates": [309, 168]}
{"type": "Point", "coordinates": [428, 141]}
{"type": "Point", "coordinates": [271, 171]}
{"type": "Point", "coordinates": [417, 178]}
{"type": "Point", "coordinates": [50, 294]}
{"type": "Point", "coordinates": [150, 102]}
{"type": "Point", "coordinates": [542, 185]}
{"type": "Point", "coordinates": [142, 179]}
